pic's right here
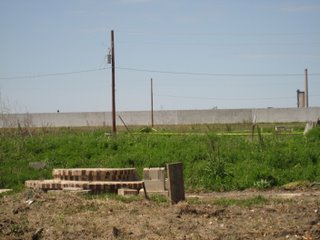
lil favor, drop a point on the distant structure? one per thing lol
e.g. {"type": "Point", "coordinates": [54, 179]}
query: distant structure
{"type": "Point", "coordinates": [301, 99]}
{"type": "Point", "coordinates": [303, 96]}
{"type": "Point", "coordinates": [306, 89]}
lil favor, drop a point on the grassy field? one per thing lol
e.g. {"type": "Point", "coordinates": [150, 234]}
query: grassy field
{"type": "Point", "coordinates": [215, 157]}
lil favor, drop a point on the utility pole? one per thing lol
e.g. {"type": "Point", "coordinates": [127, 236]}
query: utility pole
{"type": "Point", "coordinates": [113, 70]}
{"type": "Point", "coordinates": [152, 122]}
{"type": "Point", "coordinates": [306, 94]}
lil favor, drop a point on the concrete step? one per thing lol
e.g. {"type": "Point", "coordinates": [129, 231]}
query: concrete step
{"type": "Point", "coordinates": [154, 185]}
{"type": "Point", "coordinates": [5, 190]}
{"type": "Point", "coordinates": [93, 186]}
{"type": "Point", "coordinates": [95, 174]}
{"type": "Point", "coordinates": [157, 173]}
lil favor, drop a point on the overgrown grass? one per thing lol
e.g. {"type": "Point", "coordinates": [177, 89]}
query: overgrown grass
{"type": "Point", "coordinates": [211, 161]}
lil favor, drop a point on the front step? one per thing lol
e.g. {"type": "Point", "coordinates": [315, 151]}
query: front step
{"type": "Point", "coordinates": [95, 180]}
{"type": "Point", "coordinates": [95, 174]}
{"type": "Point", "coordinates": [94, 186]}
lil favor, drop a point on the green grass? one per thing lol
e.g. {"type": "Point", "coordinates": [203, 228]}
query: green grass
{"type": "Point", "coordinates": [212, 160]}
{"type": "Point", "coordinates": [247, 202]}
{"type": "Point", "coordinates": [226, 202]}
{"type": "Point", "coordinates": [158, 198]}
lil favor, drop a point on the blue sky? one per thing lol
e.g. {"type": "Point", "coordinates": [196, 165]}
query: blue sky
{"type": "Point", "coordinates": [201, 54]}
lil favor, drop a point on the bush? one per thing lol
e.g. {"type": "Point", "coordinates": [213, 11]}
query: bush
{"type": "Point", "coordinates": [313, 135]}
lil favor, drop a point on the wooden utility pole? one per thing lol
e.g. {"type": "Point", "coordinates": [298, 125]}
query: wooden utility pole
{"type": "Point", "coordinates": [306, 94]}
{"type": "Point", "coordinates": [152, 121]}
{"type": "Point", "coordinates": [113, 70]}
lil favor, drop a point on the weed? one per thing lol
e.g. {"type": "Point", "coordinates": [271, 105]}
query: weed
{"type": "Point", "coordinates": [196, 200]}
{"type": "Point", "coordinates": [262, 184]}
{"type": "Point", "coordinates": [313, 135]}
{"type": "Point", "coordinates": [265, 181]}
{"type": "Point", "coordinates": [91, 208]}
{"type": "Point", "coordinates": [158, 198]}
{"type": "Point", "coordinates": [17, 228]}
{"type": "Point", "coordinates": [248, 202]}
{"type": "Point", "coordinates": [215, 172]}
{"type": "Point", "coordinates": [261, 142]}
{"type": "Point", "coordinates": [146, 130]}
{"type": "Point", "coordinates": [113, 196]}
{"type": "Point", "coordinates": [228, 128]}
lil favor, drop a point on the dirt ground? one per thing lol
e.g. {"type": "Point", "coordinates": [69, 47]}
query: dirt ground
{"type": "Point", "coordinates": [67, 215]}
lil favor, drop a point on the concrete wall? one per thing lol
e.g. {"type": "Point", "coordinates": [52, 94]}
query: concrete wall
{"type": "Point", "coordinates": [162, 117]}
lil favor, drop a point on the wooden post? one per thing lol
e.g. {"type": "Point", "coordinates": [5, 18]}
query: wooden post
{"type": "Point", "coordinates": [176, 184]}
{"type": "Point", "coordinates": [113, 68]}
{"type": "Point", "coordinates": [152, 121]}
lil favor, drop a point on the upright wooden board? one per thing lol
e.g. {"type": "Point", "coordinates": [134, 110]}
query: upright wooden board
{"type": "Point", "coordinates": [176, 184]}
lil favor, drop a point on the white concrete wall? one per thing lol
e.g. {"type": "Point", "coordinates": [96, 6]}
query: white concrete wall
{"type": "Point", "coordinates": [285, 114]}
{"type": "Point", "coordinates": [162, 117]}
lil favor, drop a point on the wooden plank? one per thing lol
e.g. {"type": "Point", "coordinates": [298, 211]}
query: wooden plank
{"type": "Point", "coordinates": [176, 184]}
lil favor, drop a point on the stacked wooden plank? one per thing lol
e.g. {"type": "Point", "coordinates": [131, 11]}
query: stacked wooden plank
{"type": "Point", "coordinates": [96, 180]}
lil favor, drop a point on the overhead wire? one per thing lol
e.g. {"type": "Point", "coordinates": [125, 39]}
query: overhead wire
{"type": "Point", "coordinates": [53, 74]}
{"type": "Point", "coordinates": [201, 33]}
{"type": "Point", "coordinates": [163, 72]}
{"type": "Point", "coordinates": [218, 74]}
{"type": "Point", "coordinates": [179, 73]}
{"type": "Point", "coordinates": [230, 99]}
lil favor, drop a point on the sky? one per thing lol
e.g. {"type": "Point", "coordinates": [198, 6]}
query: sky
{"type": "Point", "coordinates": [201, 54]}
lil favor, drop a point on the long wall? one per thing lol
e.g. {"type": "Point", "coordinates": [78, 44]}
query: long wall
{"type": "Point", "coordinates": [171, 117]}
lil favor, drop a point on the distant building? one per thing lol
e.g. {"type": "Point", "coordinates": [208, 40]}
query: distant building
{"type": "Point", "coordinates": [301, 103]}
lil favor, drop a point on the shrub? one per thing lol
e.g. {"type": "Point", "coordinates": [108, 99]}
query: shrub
{"type": "Point", "coordinates": [313, 135]}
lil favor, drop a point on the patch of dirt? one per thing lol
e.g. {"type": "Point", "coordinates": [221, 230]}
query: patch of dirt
{"type": "Point", "coordinates": [66, 215]}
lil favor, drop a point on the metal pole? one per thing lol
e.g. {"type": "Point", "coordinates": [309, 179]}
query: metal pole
{"type": "Point", "coordinates": [114, 128]}
{"type": "Point", "coordinates": [306, 94]}
{"type": "Point", "coordinates": [152, 121]}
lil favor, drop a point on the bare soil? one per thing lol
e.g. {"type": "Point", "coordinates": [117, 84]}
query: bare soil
{"type": "Point", "coordinates": [66, 215]}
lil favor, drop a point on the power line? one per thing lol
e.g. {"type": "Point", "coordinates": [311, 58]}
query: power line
{"type": "Point", "coordinates": [230, 99]}
{"type": "Point", "coordinates": [53, 74]}
{"type": "Point", "coordinates": [201, 33]}
{"type": "Point", "coordinates": [221, 44]}
{"type": "Point", "coordinates": [163, 72]}
{"type": "Point", "coordinates": [219, 74]}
